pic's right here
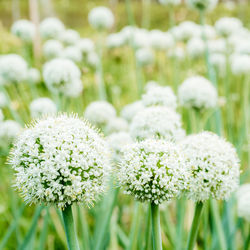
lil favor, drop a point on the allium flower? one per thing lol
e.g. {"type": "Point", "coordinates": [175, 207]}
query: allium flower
{"type": "Point", "coordinates": [51, 28]}
{"type": "Point", "coordinates": [213, 167]}
{"type": "Point", "coordinates": [115, 40]}
{"type": "Point", "coordinates": [85, 45]}
{"type": "Point", "coordinates": [74, 89]}
{"type": "Point", "coordinates": [33, 76]}
{"type": "Point", "coordinates": [3, 100]}
{"type": "Point", "coordinates": [93, 59]}
{"type": "Point", "coordinates": [152, 171]}
{"type": "Point", "coordinates": [195, 47]}
{"type": "Point", "coordinates": [151, 84]}
{"type": "Point", "coordinates": [177, 53]}
{"type": "Point", "coordinates": [157, 122]}
{"type": "Point", "coordinates": [42, 106]}
{"type": "Point", "coordinates": [99, 113]}
{"type": "Point", "coordinates": [217, 46]}
{"type": "Point", "coordinates": [69, 37]}
{"type": "Point", "coordinates": [187, 30]}
{"type": "Point", "coordinates": [101, 18]}
{"type": "Point", "coordinates": [73, 53]}
{"type": "Point", "coordinates": [197, 92]}
{"type": "Point", "coordinates": [52, 49]}
{"type": "Point", "coordinates": [59, 74]}
{"type": "Point", "coordinates": [8, 131]}
{"type": "Point", "coordinates": [243, 201]}
{"type": "Point", "coordinates": [218, 60]}
{"type": "Point", "coordinates": [116, 124]}
{"type": "Point", "coordinates": [160, 96]}
{"type": "Point", "coordinates": [117, 141]}
{"type": "Point", "coordinates": [13, 68]}
{"type": "Point", "coordinates": [144, 56]}
{"type": "Point", "coordinates": [170, 2]}
{"type": "Point", "coordinates": [139, 38]}
{"type": "Point", "coordinates": [202, 5]}
{"type": "Point", "coordinates": [130, 110]}
{"type": "Point", "coordinates": [240, 64]}
{"type": "Point", "coordinates": [160, 40]}
{"type": "Point", "coordinates": [60, 160]}
{"type": "Point", "coordinates": [24, 29]}
{"type": "Point", "coordinates": [226, 26]}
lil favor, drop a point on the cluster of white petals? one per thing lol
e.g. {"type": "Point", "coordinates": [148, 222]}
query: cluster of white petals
{"type": "Point", "coordinates": [116, 124]}
{"type": "Point", "coordinates": [85, 45]}
{"type": "Point", "coordinates": [60, 160]}
{"type": "Point", "coordinates": [33, 76]}
{"type": "Point", "coordinates": [42, 106]}
{"type": "Point", "coordinates": [152, 171]}
{"type": "Point", "coordinates": [243, 201]}
{"type": "Point", "coordinates": [240, 64]}
{"type": "Point", "coordinates": [157, 122]}
{"type": "Point", "coordinates": [9, 129]}
{"type": "Point", "coordinates": [99, 113]}
{"type": "Point", "coordinates": [213, 167]}
{"type": "Point", "coordinates": [197, 92]}
{"type": "Point", "coordinates": [13, 69]}
{"type": "Point", "coordinates": [130, 110]}
{"type": "Point", "coordinates": [69, 37]}
{"type": "Point", "coordinates": [160, 96]}
{"type": "Point", "coordinates": [51, 28]}
{"type": "Point", "coordinates": [115, 40]}
{"type": "Point", "coordinates": [195, 47]}
{"type": "Point", "coordinates": [202, 5]}
{"type": "Point", "coordinates": [24, 29]}
{"type": "Point", "coordinates": [3, 100]}
{"type": "Point", "coordinates": [218, 60]}
{"type": "Point", "coordinates": [101, 18]}
{"type": "Point", "coordinates": [144, 56]}
{"type": "Point", "coordinates": [59, 74]}
{"type": "Point", "coordinates": [52, 48]}
{"type": "Point", "coordinates": [73, 53]}
{"type": "Point", "coordinates": [160, 40]}
{"type": "Point", "coordinates": [226, 26]}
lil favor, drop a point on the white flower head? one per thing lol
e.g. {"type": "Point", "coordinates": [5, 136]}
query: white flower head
{"type": "Point", "coordinates": [196, 47]}
{"type": "Point", "coordinates": [152, 171]}
{"type": "Point", "coordinates": [197, 92]}
{"type": "Point", "coordinates": [51, 28]}
{"type": "Point", "coordinates": [160, 40]}
{"type": "Point", "coordinates": [117, 141]}
{"type": "Point", "coordinates": [42, 106]}
{"type": "Point", "coordinates": [73, 53]}
{"type": "Point", "coordinates": [59, 74]}
{"type": "Point", "coordinates": [177, 53]}
{"type": "Point", "coordinates": [23, 29]}
{"type": "Point", "coordinates": [240, 64]}
{"type": "Point", "coordinates": [170, 2]}
{"type": "Point", "coordinates": [33, 76]}
{"type": "Point", "coordinates": [243, 201]}
{"type": "Point", "coordinates": [101, 18]}
{"type": "Point", "coordinates": [115, 40]}
{"type": "Point", "coordinates": [217, 46]}
{"type": "Point", "coordinates": [60, 160]}
{"type": "Point", "coordinates": [75, 89]}
{"type": "Point", "coordinates": [187, 30]}
{"type": "Point", "coordinates": [99, 113]}
{"type": "Point", "coordinates": [3, 100]}
{"type": "Point", "coordinates": [160, 96]}
{"type": "Point", "coordinates": [213, 167]}
{"type": "Point", "coordinates": [202, 5]}
{"type": "Point", "coordinates": [116, 124]}
{"type": "Point", "coordinates": [69, 37]}
{"type": "Point", "coordinates": [157, 122]}
{"type": "Point", "coordinates": [93, 59]}
{"type": "Point", "coordinates": [226, 26]}
{"type": "Point", "coordinates": [9, 129]}
{"type": "Point", "coordinates": [85, 45]}
{"type": "Point", "coordinates": [13, 69]}
{"type": "Point", "coordinates": [144, 56]}
{"type": "Point", "coordinates": [52, 48]}
{"type": "Point", "coordinates": [130, 110]}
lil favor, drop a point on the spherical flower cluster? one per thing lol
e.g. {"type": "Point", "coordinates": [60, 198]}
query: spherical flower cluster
{"type": "Point", "coordinates": [117, 141]}
{"type": "Point", "coordinates": [151, 84]}
{"type": "Point", "coordinates": [160, 96]}
{"type": "Point", "coordinates": [213, 167]}
{"type": "Point", "coordinates": [60, 160]}
{"type": "Point", "coordinates": [130, 110]}
{"type": "Point", "coordinates": [243, 201]}
{"type": "Point", "coordinates": [170, 2]}
{"type": "Point", "coordinates": [3, 100]}
{"type": "Point", "coordinates": [144, 56]}
{"type": "Point", "coordinates": [202, 5]}
{"type": "Point", "coordinates": [33, 76]}
{"type": "Point", "coordinates": [9, 129]}
{"type": "Point", "coordinates": [74, 89]}
{"type": "Point", "coordinates": [101, 18]}
{"type": "Point", "coordinates": [93, 59]}
{"type": "Point", "coordinates": [186, 30]}
{"type": "Point", "coordinates": [240, 64]}
{"type": "Point", "coordinates": [69, 37]}
{"type": "Point", "coordinates": [115, 40]}
{"type": "Point", "coordinates": [24, 29]}
{"type": "Point", "coordinates": [152, 171]}
{"type": "Point", "coordinates": [197, 92]}
{"type": "Point", "coordinates": [116, 124]}
{"type": "Point", "coordinates": [160, 40]}
{"type": "Point", "coordinates": [195, 47]}
{"type": "Point", "coordinates": [51, 28]}
{"type": "Point", "coordinates": [52, 49]}
{"type": "Point", "coordinates": [177, 53]}
{"type": "Point", "coordinates": [226, 26]}
{"type": "Point", "coordinates": [73, 53]}
{"type": "Point", "coordinates": [99, 113]}
{"type": "Point", "coordinates": [218, 60]}
{"type": "Point", "coordinates": [59, 74]}
{"type": "Point", "coordinates": [13, 69]}
{"type": "Point", "coordinates": [85, 45]}
{"type": "Point", "coordinates": [157, 122]}
{"type": "Point", "coordinates": [217, 46]}
{"type": "Point", "coordinates": [42, 106]}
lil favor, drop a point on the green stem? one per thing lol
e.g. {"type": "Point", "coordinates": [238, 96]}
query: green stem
{"type": "Point", "coordinates": [156, 227]}
{"type": "Point", "coordinates": [70, 229]}
{"type": "Point", "coordinates": [195, 225]}
{"type": "Point", "coordinates": [129, 13]}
